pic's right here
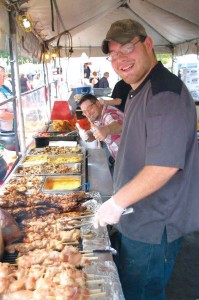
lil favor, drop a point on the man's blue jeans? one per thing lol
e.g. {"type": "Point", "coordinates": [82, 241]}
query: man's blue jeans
{"type": "Point", "coordinates": [145, 269]}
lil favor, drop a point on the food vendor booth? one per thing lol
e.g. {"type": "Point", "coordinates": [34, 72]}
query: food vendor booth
{"type": "Point", "coordinates": [48, 244]}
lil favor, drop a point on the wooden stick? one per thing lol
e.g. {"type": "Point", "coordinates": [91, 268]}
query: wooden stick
{"type": "Point", "coordinates": [94, 291]}
{"type": "Point", "coordinates": [92, 258]}
{"type": "Point", "coordinates": [90, 275]}
{"type": "Point", "coordinates": [102, 294]}
{"type": "Point", "coordinates": [88, 254]}
{"type": "Point", "coordinates": [71, 243]}
{"type": "Point", "coordinates": [97, 281]}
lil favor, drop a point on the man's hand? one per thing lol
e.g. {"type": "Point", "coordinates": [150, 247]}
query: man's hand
{"type": "Point", "coordinates": [100, 133]}
{"type": "Point", "coordinates": [82, 133]}
{"type": "Point", "coordinates": [108, 213]}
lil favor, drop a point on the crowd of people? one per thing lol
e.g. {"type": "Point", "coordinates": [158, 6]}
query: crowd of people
{"type": "Point", "coordinates": [93, 78]}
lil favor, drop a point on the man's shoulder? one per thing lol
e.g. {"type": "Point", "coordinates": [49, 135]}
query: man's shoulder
{"type": "Point", "coordinates": [162, 80]}
{"type": "Point", "coordinates": [112, 110]}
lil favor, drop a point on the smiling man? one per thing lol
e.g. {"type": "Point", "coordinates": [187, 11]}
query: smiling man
{"type": "Point", "coordinates": [156, 169]}
{"type": "Point", "coordinates": [106, 123]}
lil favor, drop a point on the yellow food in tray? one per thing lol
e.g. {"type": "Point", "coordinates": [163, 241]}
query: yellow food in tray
{"type": "Point", "coordinates": [66, 159]}
{"type": "Point", "coordinates": [62, 183]}
{"type": "Point", "coordinates": [35, 159]}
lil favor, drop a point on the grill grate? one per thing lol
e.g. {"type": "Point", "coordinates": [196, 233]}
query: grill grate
{"type": "Point", "coordinates": [9, 257]}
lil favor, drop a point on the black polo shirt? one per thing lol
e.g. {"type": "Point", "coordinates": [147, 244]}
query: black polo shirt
{"type": "Point", "coordinates": [160, 129]}
{"type": "Point", "coordinates": [121, 90]}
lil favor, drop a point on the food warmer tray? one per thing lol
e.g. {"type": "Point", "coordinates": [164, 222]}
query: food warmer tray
{"type": "Point", "coordinates": [27, 184]}
{"type": "Point", "coordinates": [64, 184]}
{"type": "Point", "coordinates": [48, 169]}
{"type": "Point", "coordinates": [42, 141]}
{"type": "Point", "coordinates": [57, 150]}
{"type": "Point", "coordinates": [56, 158]}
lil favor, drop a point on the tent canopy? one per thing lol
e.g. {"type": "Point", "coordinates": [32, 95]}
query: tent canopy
{"type": "Point", "coordinates": [172, 24]}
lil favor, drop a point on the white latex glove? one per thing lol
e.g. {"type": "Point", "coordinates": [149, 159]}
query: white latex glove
{"type": "Point", "coordinates": [108, 213]}
{"type": "Point", "coordinates": [82, 133]}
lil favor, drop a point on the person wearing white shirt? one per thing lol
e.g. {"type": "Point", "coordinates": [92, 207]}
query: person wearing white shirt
{"type": "Point", "coordinates": [6, 111]}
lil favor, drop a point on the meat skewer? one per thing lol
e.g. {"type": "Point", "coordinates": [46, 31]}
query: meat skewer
{"type": "Point", "coordinates": [20, 199]}
{"type": "Point", "coordinates": [71, 236]}
{"type": "Point", "coordinates": [38, 281]}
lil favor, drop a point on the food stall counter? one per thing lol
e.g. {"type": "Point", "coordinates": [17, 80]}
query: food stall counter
{"type": "Point", "coordinates": [99, 175]}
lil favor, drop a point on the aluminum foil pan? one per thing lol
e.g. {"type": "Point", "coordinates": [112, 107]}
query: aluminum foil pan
{"type": "Point", "coordinates": [108, 272]}
{"type": "Point", "coordinates": [92, 205]}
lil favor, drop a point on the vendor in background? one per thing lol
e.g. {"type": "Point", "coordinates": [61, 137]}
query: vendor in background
{"type": "Point", "coordinates": [106, 123]}
{"type": "Point", "coordinates": [24, 83]}
{"type": "Point", "coordinates": [157, 165]}
{"type": "Point", "coordinates": [103, 82]}
{"type": "Point", "coordinates": [6, 110]}
{"type": "Point", "coordinates": [94, 80]}
{"type": "Point", "coordinates": [119, 95]}
{"type": "Point", "coordinates": [87, 71]}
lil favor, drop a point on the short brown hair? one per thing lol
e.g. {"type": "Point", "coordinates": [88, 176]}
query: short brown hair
{"type": "Point", "coordinates": [89, 97]}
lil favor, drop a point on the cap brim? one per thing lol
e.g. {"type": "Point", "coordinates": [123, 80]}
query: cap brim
{"type": "Point", "coordinates": [121, 40]}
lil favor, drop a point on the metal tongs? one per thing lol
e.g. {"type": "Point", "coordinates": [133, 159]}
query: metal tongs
{"type": "Point", "coordinates": [125, 212]}
{"type": "Point", "coordinates": [77, 218]}
{"type": "Point", "coordinates": [68, 227]}
{"type": "Point", "coordinates": [66, 134]}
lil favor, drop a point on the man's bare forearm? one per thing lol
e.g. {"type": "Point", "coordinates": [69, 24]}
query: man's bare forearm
{"type": "Point", "coordinates": [148, 180]}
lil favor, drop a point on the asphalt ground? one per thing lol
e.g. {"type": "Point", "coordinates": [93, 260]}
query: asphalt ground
{"type": "Point", "coordinates": [184, 281]}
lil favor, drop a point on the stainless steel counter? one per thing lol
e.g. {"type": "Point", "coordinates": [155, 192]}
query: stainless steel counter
{"type": "Point", "coordinates": [99, 175]}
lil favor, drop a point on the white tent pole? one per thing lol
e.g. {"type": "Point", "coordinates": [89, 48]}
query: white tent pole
{"type": "Point", "coordinates": [47, 84]}
{"type": "Point", "coordinates": [20, 125]}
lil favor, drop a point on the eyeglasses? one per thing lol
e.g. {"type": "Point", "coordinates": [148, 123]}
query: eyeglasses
{"type": "Point", "coordinates": [88, 110]}
{"type": "Point", "coordinates": [126, 49]}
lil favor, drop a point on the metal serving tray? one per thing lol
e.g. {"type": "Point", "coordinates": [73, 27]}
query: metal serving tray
{"type": "Point", "coordinates": [56, 159]}
{"type": "Point", "coordinates": [27, 184]}
{"type": "Point", "coordinates": [63, 184]}
{"type": "Point", "coordinates": [68, 158]}
{"type": "Point", "coordinates": [47, 169]}
{"type": "Point", "coordinates": [43, 141]}
{"type": "Point", "coordinates": [56, 150]}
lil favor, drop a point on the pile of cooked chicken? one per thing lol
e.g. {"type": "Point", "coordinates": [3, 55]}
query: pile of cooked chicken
{"type": "Point", "coordinates": [45, 274]}
{"type": "Point", "coordinates": [46, 266]}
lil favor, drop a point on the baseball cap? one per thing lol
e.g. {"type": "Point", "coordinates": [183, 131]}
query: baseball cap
{"type": "Point", "coordinates": [122, 31]}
